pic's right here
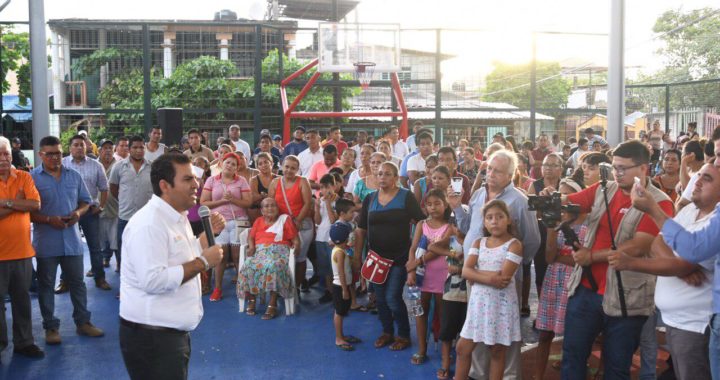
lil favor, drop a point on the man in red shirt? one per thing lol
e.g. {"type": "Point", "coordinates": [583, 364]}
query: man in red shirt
{"type": "Point", "coordinates": [538, 155]}
{"type": "Point", "coordinates": [587, 310]}
{"type": "Point", "coordinates": [320, 168]}
{"type": "Point", "coordinates": [335, 138]}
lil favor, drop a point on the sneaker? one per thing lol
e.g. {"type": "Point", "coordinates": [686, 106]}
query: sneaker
{"type": "Point", "coordinates": [102, 284]}
{"type": "Point", "coordinates": [216, 295]}
{"type": "Point", "coordinates": [61, 288]}
{"type": "Point", "coordinates": [87, 329]}
{"type": "Point", "coordinates": [52, 336]}
{"type": "Point", "coordinates": [31, 351]}
{"type": "Point", "coordinates": [327, 297]}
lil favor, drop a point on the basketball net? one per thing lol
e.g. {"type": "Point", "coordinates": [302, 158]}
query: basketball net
{"type": "Point", "coordinates": [363, 73]}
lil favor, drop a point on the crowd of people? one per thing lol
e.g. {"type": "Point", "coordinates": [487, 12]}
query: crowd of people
{"type": "Point", "coordinates": [378, 216]}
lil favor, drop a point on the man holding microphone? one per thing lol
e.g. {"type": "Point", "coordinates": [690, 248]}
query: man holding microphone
{"type": "Point", "coordinates": [160, 287]}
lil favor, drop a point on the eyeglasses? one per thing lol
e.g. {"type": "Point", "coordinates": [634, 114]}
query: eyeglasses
{"type": "Point", "coordinates": [619, 170]}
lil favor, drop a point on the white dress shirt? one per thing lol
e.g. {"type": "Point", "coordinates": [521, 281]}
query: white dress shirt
{"type": "Point", "coordinates": [308, 159]}
{"type": "Point", "coordinates": [400, 150]}
{"type": "Point", "coordinates": [156, 242]}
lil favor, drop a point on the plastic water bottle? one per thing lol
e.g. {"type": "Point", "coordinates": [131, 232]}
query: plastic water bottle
{"type": "Point", "coordinates": [415, 308]}
{"type": "Point", "coordinates": [420, 271]}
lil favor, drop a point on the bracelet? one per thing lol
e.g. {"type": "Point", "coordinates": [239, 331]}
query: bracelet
{"type": "Point", "coordinates": [205, 262]}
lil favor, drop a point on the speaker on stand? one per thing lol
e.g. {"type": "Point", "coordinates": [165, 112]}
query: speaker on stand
{"type": "Point", "coordinates": [171, 122]}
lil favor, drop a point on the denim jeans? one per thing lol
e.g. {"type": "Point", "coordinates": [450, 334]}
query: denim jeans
{"type": "Point", "coordinates": [120, 229]}
{"type": "Point", "coordinates": [390, 304]}
{"type": "Point", "coordinates": [584, 321]}
{"type": "Point", "coordinates": [72, 268]}
{"type": "Point", "coordinates": [90, 225]}
{"type": "Point", "coordinates": [648, 349]}
{"type": "Point", "coordinates": [715, 346]}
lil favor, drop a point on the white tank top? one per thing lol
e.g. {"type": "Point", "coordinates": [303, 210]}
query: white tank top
{"type": "Point", "coordinates": [336, 270]}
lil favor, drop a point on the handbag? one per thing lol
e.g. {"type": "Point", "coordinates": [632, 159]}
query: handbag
{"type": "Point", "coordinates": [376, 268]}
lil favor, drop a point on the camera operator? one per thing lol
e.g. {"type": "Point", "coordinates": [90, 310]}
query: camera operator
{"type": "Point", "coordinates": [589, 311]}
{"type": "Point", "coordinates": [551, 170]}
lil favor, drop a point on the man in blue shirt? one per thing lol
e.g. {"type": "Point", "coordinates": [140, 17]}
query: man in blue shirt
{"type": "Point", "coordinates": [298, 145]}
{"type": "Point", "coordinates": [56, 238]}
{"type": "Point", "coordinates": [694, 247]}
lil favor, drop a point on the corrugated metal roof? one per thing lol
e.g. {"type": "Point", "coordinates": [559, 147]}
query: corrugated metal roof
{"type": "Point", "coordinates": [11, 103]}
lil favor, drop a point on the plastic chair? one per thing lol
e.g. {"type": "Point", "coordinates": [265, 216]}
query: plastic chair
{"type": "Point", "coordinates": [290, 302]}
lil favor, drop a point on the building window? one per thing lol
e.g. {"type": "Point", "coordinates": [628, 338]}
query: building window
{"type": "Point", "coordinates": [404, 75]}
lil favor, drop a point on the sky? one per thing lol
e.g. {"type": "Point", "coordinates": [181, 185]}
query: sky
{"type": "Point", "coordinates": [503, 28]}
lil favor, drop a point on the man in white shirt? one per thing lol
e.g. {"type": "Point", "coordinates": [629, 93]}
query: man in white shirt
{"type": "Point", "coordinates": [240, 144]}
{"type": "Point", "coordinates": [683, 292]}
{"type": "Point", "coordinates": [160, 288]}
{"type": "Point", "coordinates": [400, 149]}
{"type": "Point", "coordinates": [417, 126]}
{"type": "Point", "coordinates": [360, 139]}
{"type": "Point", "coordinates": [154, 148]}
{"type": "Point", "coordinates": [582, 148]}
{"type": "Point", "coordinates": [312, 154]}
{"type": "Point", "coordinates": [416, 164]}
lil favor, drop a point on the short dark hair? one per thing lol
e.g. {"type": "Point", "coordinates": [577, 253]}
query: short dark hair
{"type": "Point", "coordinates": [582, 141]}
{"type": "Point", "coordinates": [330, 149]}
{"type": "Point", "coordinates": [312, 132]}
{"type": "Point", "coordinates": [194, 130]}
{"type": "Point", "coordinates": [136, 138]}
{"type": "Point", "coordinates": [328, 180]}
{"type": "Point", "coordinates": [337, 170]}
{"type": "Point", "coordinates": [634, 150]}
{"type": "Point", "coordinates": [709, 149]}
{"type": "Point", "coordinates": [343, 205]}
{"type": "Point", "coordinates": [679, 154]}
{"type": "Point", "coordinates": [595, 158]}
{"type": "Point", "coordinates": [121, 138]}
{"type": "Point", "coordinates": [49, 141]}
{"type": "Point", "coordinates": [163, 168]}
{"type": "Point", "coordinates": [447, 149]}
{"type": "Point", "coordinates": [693, 146]}
{"type": "Point", "coordinates": [333, 129]}
{"type": "Point", "coordinates": [424, 136]}
{"type": "Point", "coordinates": [77, 137]}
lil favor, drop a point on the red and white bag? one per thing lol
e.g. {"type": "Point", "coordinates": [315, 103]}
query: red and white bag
{"type": "Point", "coordinates": [376, 268]}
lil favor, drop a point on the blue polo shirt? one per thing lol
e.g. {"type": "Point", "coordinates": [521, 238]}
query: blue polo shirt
{"type": "Point", "coordinates": [294, 148]}
{"type": "Point", "coordinates": [58, 198]}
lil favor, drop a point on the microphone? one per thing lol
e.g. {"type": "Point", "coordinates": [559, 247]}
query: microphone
{"type": "Point", "coordinates": [204, 213]}
{"type": "Point", "coordinates": [605, 170]}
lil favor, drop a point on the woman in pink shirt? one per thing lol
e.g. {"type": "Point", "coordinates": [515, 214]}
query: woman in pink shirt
{"type": "Point", "coordinates": [228, 194]}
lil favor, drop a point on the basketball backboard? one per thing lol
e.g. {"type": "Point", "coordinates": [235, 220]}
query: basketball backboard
{"type": "Point", "coordinates": [341, 46]}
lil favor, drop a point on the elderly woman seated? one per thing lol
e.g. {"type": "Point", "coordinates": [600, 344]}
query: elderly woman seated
{"type": "Point", "coordinates": [266, 267]}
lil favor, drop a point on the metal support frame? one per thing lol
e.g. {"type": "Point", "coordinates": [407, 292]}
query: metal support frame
{"type": "Point", "coordinates": [667, 108]}
{"type": "Point", "coordinates": [290, 113]}
{"type": "Point", "coordinates": [257, 115]}
{"type": "Point", "coordinates": [147, 84]}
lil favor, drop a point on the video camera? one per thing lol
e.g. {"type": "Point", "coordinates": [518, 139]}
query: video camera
{"type": "Point", "coordinates": [550, 208]}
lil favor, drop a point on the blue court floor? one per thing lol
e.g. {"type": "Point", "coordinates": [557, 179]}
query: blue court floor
{"type": "Point", "coordinates": [226, 344]}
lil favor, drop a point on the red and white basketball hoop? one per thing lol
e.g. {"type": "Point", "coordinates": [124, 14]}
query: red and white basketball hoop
{"type": "Point", "coordinates": [364, 73]}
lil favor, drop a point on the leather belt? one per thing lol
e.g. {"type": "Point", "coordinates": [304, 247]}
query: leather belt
{"type": "Point", "coordinates": [140, 326]}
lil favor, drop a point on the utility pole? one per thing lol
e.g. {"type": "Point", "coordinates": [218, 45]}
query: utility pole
{"type": "Point", "coordinates": [38, 70]}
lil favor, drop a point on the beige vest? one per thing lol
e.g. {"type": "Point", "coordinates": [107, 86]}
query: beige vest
{"type": "Point", "coordinates": [639, 288]}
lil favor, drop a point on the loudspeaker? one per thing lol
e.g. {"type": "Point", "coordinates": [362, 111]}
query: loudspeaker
{"type": "Point", "coordinates": [170, 121]}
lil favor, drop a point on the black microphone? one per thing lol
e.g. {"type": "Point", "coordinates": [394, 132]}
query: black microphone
{"type": "Point", "coordinates": [204, 212]}
{"type": "Point", "coordinates": [605, 170]}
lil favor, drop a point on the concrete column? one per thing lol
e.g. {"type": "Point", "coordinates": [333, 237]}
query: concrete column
{"type": "Point", "coordinates": [39, 74]}
{"type": "Point", "coordinates": [224, 39]}
{"type": "Point", "coordinates": [616, 74]}
{"type": "Point", "coordinates": [57, 71]}
{"type": "Point", "coordinates": [168, 53]}
{"type": "Point", "coordinates": [102, 44]}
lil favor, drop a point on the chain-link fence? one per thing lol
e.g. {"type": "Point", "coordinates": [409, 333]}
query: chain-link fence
{"type": "Point", "coordinates": [110, 77]}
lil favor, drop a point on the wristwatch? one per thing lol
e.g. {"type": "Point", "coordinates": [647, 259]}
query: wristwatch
{"type": "Point", "coordinates": [9, 204]}
{"type": "Point", "coordinates": [205, 262]}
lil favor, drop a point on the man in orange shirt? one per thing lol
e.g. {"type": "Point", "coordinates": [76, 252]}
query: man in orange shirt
{"type": "Point", "coordinates": [18, 197]}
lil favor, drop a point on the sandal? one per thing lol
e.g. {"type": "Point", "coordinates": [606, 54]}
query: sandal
{"type": "Point", "coordinates": [352, 339]}
{"type": "Point", "coordinates": [251, 307]}
{"type": "Point", "coordinates": [400, 344]}
{"type": "Point", "coordinates": [418, 358]}
{"type": "Point", "coordinates": [384, 340]}
{"type": "Point", "coordinates": [345, 347]}
{"type": "Point", "coordinates": [525, 312]}
{"type": "Point", "coordinates": [361, 308]}
{"type": "Point", "coordinates": [270, 313]}
{"type": "Point", "coordinates": [443, 374]}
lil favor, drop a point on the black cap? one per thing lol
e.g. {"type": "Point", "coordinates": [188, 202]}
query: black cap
{"type": "Point", "coordinates": [106, 141]}
{"type": "Point", "coordinates": [589, 130]}
{"type": "Point", "coordinates": [16, 140]}
{"type": "Point", "coordinates": [300, 128]}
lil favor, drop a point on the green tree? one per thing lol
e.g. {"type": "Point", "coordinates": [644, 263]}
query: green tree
{"type": "Point", "coordinates": [208, 84]}
{"type": "Point", "coordinates": [15, 51]}
{"type": "Point", "coordinates": [510, 83]}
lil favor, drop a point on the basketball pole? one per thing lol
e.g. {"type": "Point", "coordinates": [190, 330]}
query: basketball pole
{"type": "Point", "coordinates": [616, 74]}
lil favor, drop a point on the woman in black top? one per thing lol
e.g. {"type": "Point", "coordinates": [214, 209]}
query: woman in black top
{"type": "Point", "coordinates": [386, 219]}
{"type": "Point", "coordinates": [259, 184]}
